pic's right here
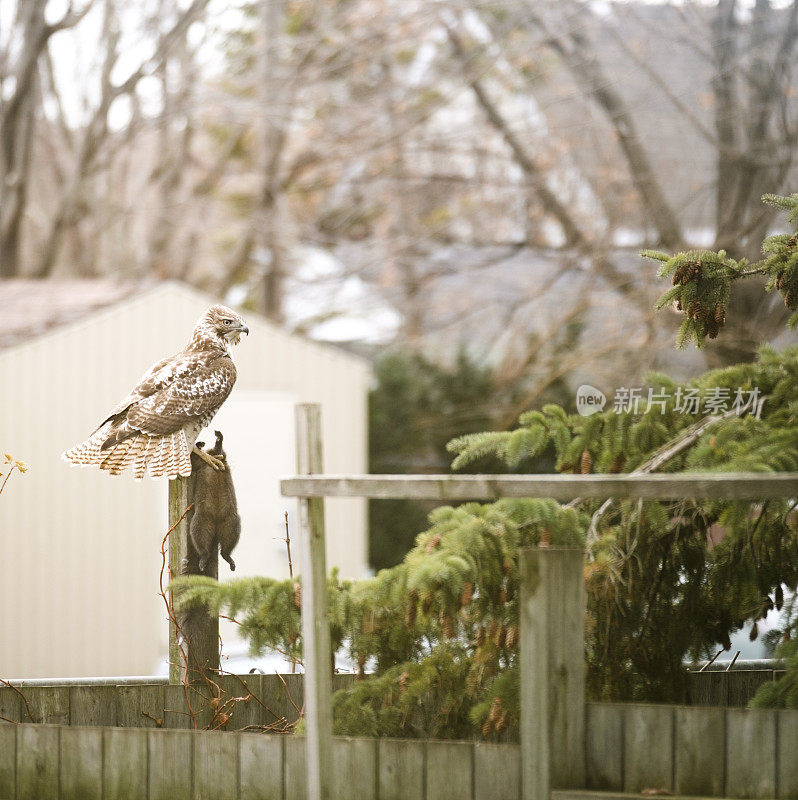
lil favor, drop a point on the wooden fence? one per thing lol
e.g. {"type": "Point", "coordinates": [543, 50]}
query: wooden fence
{"type": "Point", "coordinates": [565, 743]}
{"type": "Point", "coordinates": [552, 599]}
{"type": "Point", "coordinates": [743, 753]}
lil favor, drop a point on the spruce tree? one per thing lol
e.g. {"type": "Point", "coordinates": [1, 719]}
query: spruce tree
{"type": "Point", "coordinates": [435, 638]}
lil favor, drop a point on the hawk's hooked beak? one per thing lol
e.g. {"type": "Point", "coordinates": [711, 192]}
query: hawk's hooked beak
{"type": "Point", "coordinates": [245, 329]}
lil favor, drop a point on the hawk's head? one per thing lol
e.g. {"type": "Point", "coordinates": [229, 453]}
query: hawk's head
{"type": "Point", "coordinates": [221, 324]}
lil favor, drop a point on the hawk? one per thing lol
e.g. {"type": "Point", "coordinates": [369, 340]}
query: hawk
{"type": "Point", "coordinates": [155, 427]}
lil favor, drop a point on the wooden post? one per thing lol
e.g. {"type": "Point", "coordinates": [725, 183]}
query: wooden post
{"type": "Point", "coordinates": [315, 627]}
{"type": "Point", "coordinates": [201, 628]}
{"type": "Point", "coordinates": [552, 671]}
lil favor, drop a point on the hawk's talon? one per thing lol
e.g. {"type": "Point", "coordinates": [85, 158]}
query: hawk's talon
{"type": "Point", "coordinates": [217, 463]}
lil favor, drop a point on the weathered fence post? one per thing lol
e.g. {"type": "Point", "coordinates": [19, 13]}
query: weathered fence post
{"type": "Point", "coordinates": [315, 627]}
{"type": "Point", "coordinates": [552, 671]}
{"type": "Point", "coordinates": [202, 648]}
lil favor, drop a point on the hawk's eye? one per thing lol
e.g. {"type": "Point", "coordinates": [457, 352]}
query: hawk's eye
{"type": "Point", "coordinates": [227, 321]}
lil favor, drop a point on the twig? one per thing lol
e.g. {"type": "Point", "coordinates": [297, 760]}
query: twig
{"type": "Point", "coordinates": [28, 712]}
{"type": "Point", "coordinates": [157, 720]}
{"type": "Point", "coordinates": [300, 711]}
{"type": "Point", "coordinates": [731, 664]}
{"type": "Point", "coordinates": [288, 548]}
{"type": "Point", "coordinates": [711, 660]}
{"type": "Point", "coordinates": [685, 439]}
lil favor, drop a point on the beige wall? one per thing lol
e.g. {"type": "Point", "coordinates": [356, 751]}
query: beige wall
{"type": "Point", "coordinates": [79, 550]}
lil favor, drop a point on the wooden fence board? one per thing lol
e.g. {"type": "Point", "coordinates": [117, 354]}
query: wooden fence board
{"type": "Point", "coordinates": [708, 688]}
{"type": "Point", "coordinates": [215, 766]}
{"type": "Point", "coordinates": [700, 751]}
{"type": "Point", "coordinates": [176, 715]}
{"type": "Point", "coordinates": [37, 762]}
{"type": "Point", "coordinates": [81, 763]}
{"type": "Point", "coordinates": [242, 712]}
{"type": "Point", "coordinates": [8, 761]}
{"type": "Point", "coordinates": [787, 754]}
{"type": "Point", "coordinates": [151, 699]}
{"type": "Point", "coordinates": [604, 755]}
{"type": "Point", "coordinates": [11, 708]}
{"type": "Point", "coordinates": [92, 705]}
{"type": "Point", "coordinates": [497, 771]}
{"type": "Point", "coordinates": [751, 752]}
{"type": "Point", "coordinates": [354, 768]}
{"type": "Point", "coordinates": [49, 704]}
{"type": "Point", "coordinates": [296, 784]}
{"type": "Point", "coordinates": [648, 748]}
{"type": "Point", "coordinates": [401, 769]}
{"type": "Point", "coordinates": [450, 770]}
{"type": "Point", "coordinates": [743, 685]}
{"type": "Point", "coordinates": [170, 760]}
{"type": "Point", "coordinates": [261, 766]}
{"type": "Point", "coordinates": [124, 764]}
{"type": "Point", "coordinates": [736, 486]}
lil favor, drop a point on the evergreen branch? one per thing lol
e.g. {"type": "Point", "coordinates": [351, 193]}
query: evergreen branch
{"type": "Point", "coordinates": [677, 445]}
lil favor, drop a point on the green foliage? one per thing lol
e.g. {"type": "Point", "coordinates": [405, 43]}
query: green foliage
{"type": "Point", "coordinates": [784, 692]}
{"type": "Point", "coordinates": [702, 279]}
{"type": "Point", "coordinates": [414, 409]}
{"type": "Point", "coordinates": [438, 632]}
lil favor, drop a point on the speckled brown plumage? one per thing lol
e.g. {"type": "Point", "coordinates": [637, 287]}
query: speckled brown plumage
{"type": "Point", "coordinates": [154, 428]}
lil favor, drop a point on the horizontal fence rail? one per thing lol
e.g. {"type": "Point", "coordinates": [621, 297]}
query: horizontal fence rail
{"type": "Point", "coordinates": [719, 486]}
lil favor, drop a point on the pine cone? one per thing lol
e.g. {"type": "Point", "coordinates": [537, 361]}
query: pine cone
{"type": "Point", "coordinates": [298, 595]}
{"type": "Point", "coordinates": [779, 597]}
{"type": "Point", "coordinates": [754, 632]}
{"type": "Point", "coordinates": [426, 603]}
{"type": "Point", "coordinates": [495, 711]}
{"type": "Point", "coordinates": [466, 594]}
{"type": "Point", "coordinates": [780, 280]}
{"type": "Point", "coordinates": [511, 639]}
{"type": "Point", "coordinates": [433, 543]}
{"type": "Point", "coordinates": [403, 681]}
{"type": "Point", "coordinates": [507, 565]}
{"type": "Point", "coordinates": [500, 637]}
{"type": "Point", "coordinates": [545, 538]}
{"type": "Point", "coordinates": [492, 629]}
{"type": "Point", "coordinates": [361, 665]}
{"type": "Point", "coordinates": [503, 595]}
{"type": "Point", "coordinates": [480, 636]}
{"type": "Point", "coordinates": [501, 723]}
{"type": "Point", "coordinates": [487, 726]}
{"type": "Point", "coordinates": [720, 314]}
{"type": "Point", "coordinates": [586, 462]}
{"type": "Point", "coordinates": [618, 463]}
{"type": "Point", "coordinates": [410, 612]}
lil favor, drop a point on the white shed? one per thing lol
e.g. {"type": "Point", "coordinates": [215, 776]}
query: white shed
{"type": "Point", "coordinates": [80, 550]}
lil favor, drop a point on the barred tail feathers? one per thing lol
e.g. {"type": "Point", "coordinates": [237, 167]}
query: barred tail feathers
{"type": "Point", "coordinates": [157, 455]}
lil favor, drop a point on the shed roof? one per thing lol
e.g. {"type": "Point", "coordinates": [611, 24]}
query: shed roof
{"type": "Point", "coordinates": [31, 308]}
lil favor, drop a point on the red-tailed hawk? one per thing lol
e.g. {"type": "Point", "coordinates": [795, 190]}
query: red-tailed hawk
{"type": "Point", "coordinates": [155, 427]}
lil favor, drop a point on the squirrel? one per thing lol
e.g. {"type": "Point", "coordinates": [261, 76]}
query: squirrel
{"type": "Point", "coordinates": [215, 521]}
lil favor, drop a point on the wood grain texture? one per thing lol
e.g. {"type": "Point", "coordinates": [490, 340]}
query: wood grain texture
{"type": "Point", "coordinates": [93, 705]}
{"type": "Point", "coordinates": [124, 764]}
{"type": "Point", "coordinates": [731, 486]}
{"type": "Point", "coordinates": [401, 769]}
{"type": "Point", "coordinates": [648, 743]}
{"type": "Point", "coordinates": [450, 770]}
{"type": "Point", "coordinates": [81, 763]}
{"type": "Point", "coordinates": [751, 752]}
{"type": "Point", "coordinates": [354, 768]}
{"type": "Point", "coordinates": [700, 751]}
{"type": "Point", "coordinates": [8, 760]}
{"type": "Point", "coordinates": [296, 780]}
{"type": "Point", "coordinates": [49, 704]}
{"type": "Point", "coordinates": [261, 766]}
{"type": "Point", "coordinates": [315, 627]}
{"type": "Point", "coordinates": [37, 761]}
{"type": "Point", "coordinates": [787, 754]}
{"type": "Point", "coordinates": [605, 746]}
{"type": "Point", "coordinates": [215, 766]}
{"type": "Point", "coordinates": [170, 765]}
{"type": "Point", "coordinates": [497, 771]}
